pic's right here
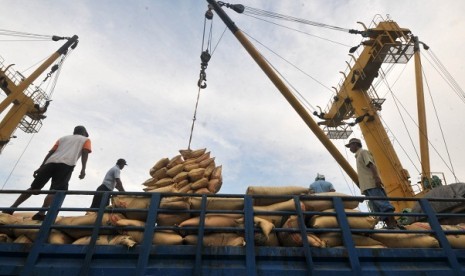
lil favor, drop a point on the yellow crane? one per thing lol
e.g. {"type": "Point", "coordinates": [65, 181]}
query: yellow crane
{"type": "Point", "coordinates": [357, 100]}
{"type": "Point", "coordinates": [27, 103]}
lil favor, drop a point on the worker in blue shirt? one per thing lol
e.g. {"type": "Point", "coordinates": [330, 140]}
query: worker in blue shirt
{"type": "Point", "coordinates": [321, 185]}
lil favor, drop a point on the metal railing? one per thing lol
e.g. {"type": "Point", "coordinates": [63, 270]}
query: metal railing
{"type": "Point", "coordinates": [40, 257]}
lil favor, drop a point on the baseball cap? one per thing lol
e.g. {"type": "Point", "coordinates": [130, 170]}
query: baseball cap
{"type": "Point", "coordinates": [121, 161]}
{"type": "Point", "coordinates": [354, 140]}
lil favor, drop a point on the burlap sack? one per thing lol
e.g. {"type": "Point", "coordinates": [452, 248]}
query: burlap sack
{"type": "Point", "coordinates": [277, 221]}
{"type": "Point", "coordinates": [4, 238]}
{"type": "Point", "coordinates": [295, 238]}
{"type": "Point", "coordinates": [7, 219]}
{"type": "Point", "coordinates": [217, 172]}
{"type": "Point", "coordinates": [190, 167]}
{"type": "Point", "coordinates": [132, 202]}
{"type": "Point", "coordinates": [162, 183]}
{"type": "Point", "coordinates": [455, 240]}
{"type": "Point", "coordinates": [180, 177]}
{"type": "Point", "coordinates": [334, 239]}
{"type": "Point", "coordinates": [217, 239]}
{"type": "Point", "coordinates": [261, 240]}
{"type": "Point", "coordinates": [330, 221]}
{"type": "Point", "coordinates": [160, 174]}
{"type": "Point", "coordinates": [274, 191]}
{"type": "Point", "coordinates": [23, 239]}
{"type": "Point", "coordinates": [108, 240]}
{"type": "Point", "coordinates": [175, 161]}
{"type": "Point", "coordinates": [211, 221]}
{"type": "Point", "coordinates": [280, 206]}
{"type": "Point", "coordinates": [203, 157]}
{"type": "Point", "coordinates": [209, 170]}
{"type": "Point", "coordinates": [59, 237]}
{"type": "Point", "coordinates": [31, 233]}
{"type": "Point", "coordinates": [192, 154]}
{"type": "Point", "coordinates": [89, 220]}
{"type": "Point", "coordinates": [401, 240]}
{"type": "Point", "coordinates": [166, 189]}
{"type": "Point", "coordinates": [203, 191]}
{"type": "Point", "coordinates": [218, 203]}
{"type": "Point", "coordinates": [175, 170]}
{"type": "Point", "coordinates": [265, 225]}
{"type": "Point", "coordinates": [165, 237]}
{"type": "Point", "coordinates": [205, 163]}
{"type": "Point", "coordinates": [160, 164]}
{"type": "Point", "coordinates": [186, 188]}
{"type": "Point", "coordinates": [214, 185]}
{"type": "Point", "coordinates": [181, 184]}
{"type": "Point", "coordinates": [195, 174]}
{"type": "Point", "coordinates": [318, 204]}
{"type": "Point", "coordinates": [199, 184]}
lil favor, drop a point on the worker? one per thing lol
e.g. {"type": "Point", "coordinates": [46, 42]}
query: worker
{"type": "Point", "coordinates": [370, 183]}
{"type": "Point", "coordinates": [321, 185]}
{"type": "Point", "coordinates": [111, 181]}
{"type": "Point", "coordinates": [58, 165]}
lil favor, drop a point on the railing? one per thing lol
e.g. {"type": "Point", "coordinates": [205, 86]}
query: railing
{"type": "Point", "coordinates": [146, 258]}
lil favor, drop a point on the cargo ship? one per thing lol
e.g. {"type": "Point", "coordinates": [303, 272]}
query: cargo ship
{"type": "Point", "coordinates": [174, 230]}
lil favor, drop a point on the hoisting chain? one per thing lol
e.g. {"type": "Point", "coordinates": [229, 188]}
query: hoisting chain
{"type": "Point", "coordinates": [204, 58]}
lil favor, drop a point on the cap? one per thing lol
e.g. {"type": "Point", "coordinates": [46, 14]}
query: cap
{"type": "Point", "coordinates": [319, 176]}
{"type": "Point", "coordinates": [81, 130]}
{"type": "Point", "coordinates": [121, 161]}
{"type": "Point", "coordinates": [354, 140]}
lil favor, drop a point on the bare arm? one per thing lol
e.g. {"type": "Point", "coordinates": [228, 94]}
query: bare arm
{"type": "Point", "coordinates": [84, 156]}
{"type": "Point", "coordinates": [119, 185]}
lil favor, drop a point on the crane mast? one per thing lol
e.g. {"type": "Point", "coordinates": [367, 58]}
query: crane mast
{"type": "Point", "coordinates": [357, 100]}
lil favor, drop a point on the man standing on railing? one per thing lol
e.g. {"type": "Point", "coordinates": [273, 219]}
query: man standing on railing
{"type": "Point", "coordinates": [111, 181]}
{"type": "Point", "coordinates": [58, 165]}
{"type": "Point", "coordinates": [370, 183]}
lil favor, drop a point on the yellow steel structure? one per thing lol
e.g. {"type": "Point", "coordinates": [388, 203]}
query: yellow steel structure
{"type": "Point", "coordinates": [356, 100]}
{"type": "Point", "coordinates": [26, 102]}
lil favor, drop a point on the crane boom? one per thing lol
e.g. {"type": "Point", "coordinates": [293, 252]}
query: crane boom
{"type": "Point", "coordinates": [26, 109]}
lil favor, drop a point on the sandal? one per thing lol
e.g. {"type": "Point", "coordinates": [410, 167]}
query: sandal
{"type": "Point", "coordinates": [38, 216]}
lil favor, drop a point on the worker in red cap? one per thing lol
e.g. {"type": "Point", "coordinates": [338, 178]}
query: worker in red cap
{"type": "Point", "coordinates": [58, 165]}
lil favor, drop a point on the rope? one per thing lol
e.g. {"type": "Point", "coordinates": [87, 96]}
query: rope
{"type": "Point", "coordinates": [262, 13]}
{"type": "Point", "coordinates": [19, 159]}
{"type": "Point", "coordinates": [23, 34]}
{"type": "Point", "coordinates": [205, 57]}
{"type": "Point", "coordinates": [441, 130]}
{"type": "Point", "coordinates": [194, 118]}
{"type": "Point", "coordinates": [299, 31]}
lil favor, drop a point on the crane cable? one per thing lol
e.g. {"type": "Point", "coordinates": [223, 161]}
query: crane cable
{"type": "Point", "coordinates": [262, 13]}
{"type": "Point", "coordinates": [205, 57]}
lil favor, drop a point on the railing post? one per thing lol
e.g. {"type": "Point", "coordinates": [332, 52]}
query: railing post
{"type": "Point", "coordinates": [347, 235]}
{"type": "Point", "coordinates": [148, 234]}
{"type": "Point", "coordinates": [440, 235]}
{"type": "Point", "coordinates": [249, 236]}
{"type": "Point", "coordinates": [303, 233]}
{"type": "Point", "coordinates": [44, 231]}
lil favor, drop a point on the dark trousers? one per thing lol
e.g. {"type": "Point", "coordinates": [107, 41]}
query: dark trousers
{"type": "Point", "coordinates": [98, 197]}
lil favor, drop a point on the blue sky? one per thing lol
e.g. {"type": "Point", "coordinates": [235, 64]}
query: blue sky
{"type": "Point", "coordinates": [132, 82]}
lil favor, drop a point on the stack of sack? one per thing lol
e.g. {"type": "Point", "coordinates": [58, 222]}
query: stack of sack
{"type": "Point", "coordinates": [314, 203]}
{"type": "Point", "coordinates": [192, 171]}
{"type": "Point", "coordinates": [63, 236]}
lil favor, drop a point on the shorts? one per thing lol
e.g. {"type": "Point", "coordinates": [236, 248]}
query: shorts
{"type": "Point", "coordinates": [59, 173]}
{"type": "Point", "coordinates": [379, 205]}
